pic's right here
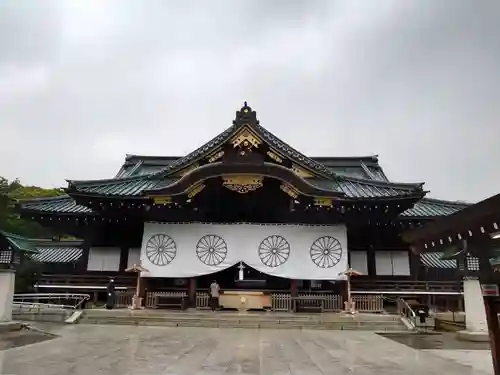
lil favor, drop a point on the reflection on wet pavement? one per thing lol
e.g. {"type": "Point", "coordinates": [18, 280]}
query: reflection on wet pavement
{"type": "Point", "coordinates": [126, 350]}
{"type": "Point", "coordinates": [23, 337]}
{"type": "Point", "coordinates": [437, 340]}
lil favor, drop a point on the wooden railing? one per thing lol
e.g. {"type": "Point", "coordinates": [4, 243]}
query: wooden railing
{"type": "Point", "coordinates": [202, 300]}
{"type": "Point", "coordinates": [405, 285]}
{"type": "Point", "coordinates": [281, 301]}
{"type": "Point", "coordinates": [368, 303]}
{"type": "Point", "coordinates": [124, 299]}
{"type": "Point", "coordinates": [152, 297]}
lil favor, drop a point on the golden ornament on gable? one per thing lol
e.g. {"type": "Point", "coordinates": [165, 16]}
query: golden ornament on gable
{"type": "Point", "coordinates": [323, 202]}
{"type": "Point", "coordinates": [246, 138]}
{"type": "Point", "coordinates": [216, 156]}
{"type": "Point", "coordinates": [242, 183]}
{"type": "Point", "coordinates": [290, 190]}
{"type": "Point", "coordinates": [273, 155]}
{"type": "Point", "coordinates": [301, 172]}
{"type": "Point", "coordinates": [195, 189]}
{"type": "Point", "coordinates": [162, 200]}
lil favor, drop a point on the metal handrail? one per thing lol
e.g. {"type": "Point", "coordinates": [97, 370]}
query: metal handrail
{"type": "Point", "coordinates": [405, 310]}
{"type": "Point", "coordinates": [37, 300]}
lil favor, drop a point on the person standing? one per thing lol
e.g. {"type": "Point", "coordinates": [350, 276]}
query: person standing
{"type": "Point", "coordinates": [111, 294]}
{"type": "Point", "coordinates": [214, 295]}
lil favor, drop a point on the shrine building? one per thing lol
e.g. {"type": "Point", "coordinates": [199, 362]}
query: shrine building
{"type": "Point", "coordinates": [247, 210]}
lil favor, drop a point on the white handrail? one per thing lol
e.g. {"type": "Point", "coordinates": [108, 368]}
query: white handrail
{"type": "Point", "coordinates": [48, 299]}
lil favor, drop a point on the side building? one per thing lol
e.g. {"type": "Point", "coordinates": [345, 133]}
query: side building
{"type": "Point", "coordinates": [252, 212]}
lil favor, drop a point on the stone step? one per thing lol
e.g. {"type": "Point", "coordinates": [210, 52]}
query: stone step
{"type": "Point", "coordinates": [328, 317]}
{"type": "Point", "coordinates": [221, 323]}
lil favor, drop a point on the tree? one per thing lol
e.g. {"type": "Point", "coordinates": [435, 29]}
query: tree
{"type": "Point", "coordinates": [10, 221]}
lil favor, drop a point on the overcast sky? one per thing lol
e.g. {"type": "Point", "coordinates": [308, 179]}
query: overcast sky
{"type": "Point", "coordinates": [82, 83]}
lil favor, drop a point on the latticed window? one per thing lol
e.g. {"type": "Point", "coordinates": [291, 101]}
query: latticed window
{"type": "Point", "coordinates": [472, 263]}
{"type": "Point", "coordinates": [6, 256]}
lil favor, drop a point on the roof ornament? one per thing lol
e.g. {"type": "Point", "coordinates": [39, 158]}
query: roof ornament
{"type": "Point", "coordinates": [246, 114]}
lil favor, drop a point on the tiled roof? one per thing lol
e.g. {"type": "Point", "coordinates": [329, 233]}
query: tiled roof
{"type": "Point", "coordinates": [431, 208]}
{"type": "Point", "coordinates": [360, 188]}
{"type": "Point", "coordinates": [246, 117]}
{"type": "Point", "coordinates": [57, 254]}
{"type": "Point", "coordinates": [435, 260]}
{"type": "Point", "coordinates": [366, 167]}
{"type": "Point", "coordinates": [353, 188]}
{"type": "Point", "coordinates": [18, 243]}
{"type": "Point", "coordinates": [62, 204]}
{"type": "Point", "coordinates": [129, 186]}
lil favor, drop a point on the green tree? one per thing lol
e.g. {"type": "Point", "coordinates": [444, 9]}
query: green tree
{"type": "Point", "coordinates": [10, 221]}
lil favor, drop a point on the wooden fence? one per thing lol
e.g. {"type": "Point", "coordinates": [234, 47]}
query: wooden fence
{"type": "Point", "coordinates": [152, 297]}
{"type": "Point", "coordinates": [202, 300]}
{"type": "Point", "coordinates": [368, 303]}
{"type": "Point", "coordinates": [281, 302]}
{"type": "Point", "coordinates": [124, 299]}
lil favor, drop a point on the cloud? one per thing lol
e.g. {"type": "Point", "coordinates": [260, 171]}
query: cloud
{"type": "Point", "coordinates": [84, 82]}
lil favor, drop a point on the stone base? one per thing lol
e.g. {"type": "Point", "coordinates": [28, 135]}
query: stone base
{"type": "Point", "coordinates": [9, 326]}
{"type": "Point", "coordinates": [473, 336]}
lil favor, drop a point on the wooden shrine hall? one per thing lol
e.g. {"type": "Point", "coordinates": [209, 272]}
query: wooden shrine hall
{"type": "Point", "coordinates": [252, 212]}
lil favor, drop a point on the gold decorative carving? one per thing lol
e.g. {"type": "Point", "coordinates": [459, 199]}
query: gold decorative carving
{"type": "Point", "coordinates": [162, 200]}
{"type": "Point", "coordinates": [187, 170]}
{"type": "Point", "coordinates": [242, 183]}
{"type": "Point", "coordinates": [215, 156]}
{"type": "Point", "coordinates": [323, 202]}
{"type": "Point", "coordinates": [275, 157]}
{"type": "Point", "coordinates": [245, 138]}
{"type": "Point", "coordinates": [192, 191]}
{"type": "Point", "coordinates": [301, 172]}
{"type": "Point", "coordinates": [290, 190]}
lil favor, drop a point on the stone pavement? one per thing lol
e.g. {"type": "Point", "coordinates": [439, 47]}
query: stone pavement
{"type": "Point", "coordinates": [127, 350]}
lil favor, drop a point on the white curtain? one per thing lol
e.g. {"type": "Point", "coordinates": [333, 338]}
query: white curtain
{"type": "Point", "coordinates": [290, 251]}
{"type": "Point", "coordinates": [401, 263]}
{"type": "Point", "coordinates": [392, 263]}
{"type": "Point", "coordinates": [104, 259]}
{"type": "Point", "coordinates": [359, 261]}
{"type": "Point", "coordinates": [134, 257]}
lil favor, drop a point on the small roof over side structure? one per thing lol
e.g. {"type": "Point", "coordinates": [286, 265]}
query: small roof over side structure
{"type": "Point", "coordinates": [476, 223]}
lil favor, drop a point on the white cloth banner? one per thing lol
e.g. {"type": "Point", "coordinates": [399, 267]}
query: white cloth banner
{"type": "Point", "coordinates": [290, 251]}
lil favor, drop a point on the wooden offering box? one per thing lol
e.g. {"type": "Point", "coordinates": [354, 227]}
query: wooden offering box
{"type": "Point", "coordinates": [245, 300]}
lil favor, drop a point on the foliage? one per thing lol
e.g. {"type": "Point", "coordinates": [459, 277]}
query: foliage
{"type": "Point", "coordinates": [27, 275]}
{"type": "Point", "coordinates": [10, 221]}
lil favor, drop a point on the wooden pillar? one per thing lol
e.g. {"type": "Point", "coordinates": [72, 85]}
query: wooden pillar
{"type": "Point", "coordinates": [143, 288]}
{"type": "Point", "coordinates": [370, 258]}
{"type": "Point", "coordinates": [294, 290]}
{"type": "Point", "coordinates": [494, 332]}
{"type": "Point", "coordinates": [192, 291]}
{"type": "Point", "coordinates": [123, 258]}
{"type": "Point", "coordinates": [414, 265]}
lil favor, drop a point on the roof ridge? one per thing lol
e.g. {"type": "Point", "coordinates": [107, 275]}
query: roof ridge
{"type": "Point", "coordinates": [24, 238]}
{"type": "Point", "coordinates": [41, 199]}
{"type": "Point", "coordinates": [451, 203]}
{"type": "Point", "coordinates": [373, 157]}
{"type": "Point", "coordinates": [381, 183]}
{"type": "Point", "coordinates": [108, 180]}
{"type": "Point", "coordinates": [246, 117]}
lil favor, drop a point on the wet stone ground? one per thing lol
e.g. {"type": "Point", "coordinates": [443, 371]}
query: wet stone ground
{"type": "Point", "coordinates": [444, 340]}
{"type": "Point", "coordinates": [127, 350]}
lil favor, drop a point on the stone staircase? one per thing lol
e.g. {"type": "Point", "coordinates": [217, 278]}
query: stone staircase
{"type": "Point", "coordinates": [263, 320]}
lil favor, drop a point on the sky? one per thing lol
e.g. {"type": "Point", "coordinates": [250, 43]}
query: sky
{"type": "Point", "coordinates": [85, 82]}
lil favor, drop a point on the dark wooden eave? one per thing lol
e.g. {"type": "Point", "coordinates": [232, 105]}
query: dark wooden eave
{"type": "Point", "coordinates": [478, 220]}
{"type": "Point", "coordinates": [265, 169]}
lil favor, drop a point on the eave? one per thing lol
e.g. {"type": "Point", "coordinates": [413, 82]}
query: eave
{"type": "Point", "coordinates": [475, 222]}
{"type": "Point", "coordinates": [219, 169]}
